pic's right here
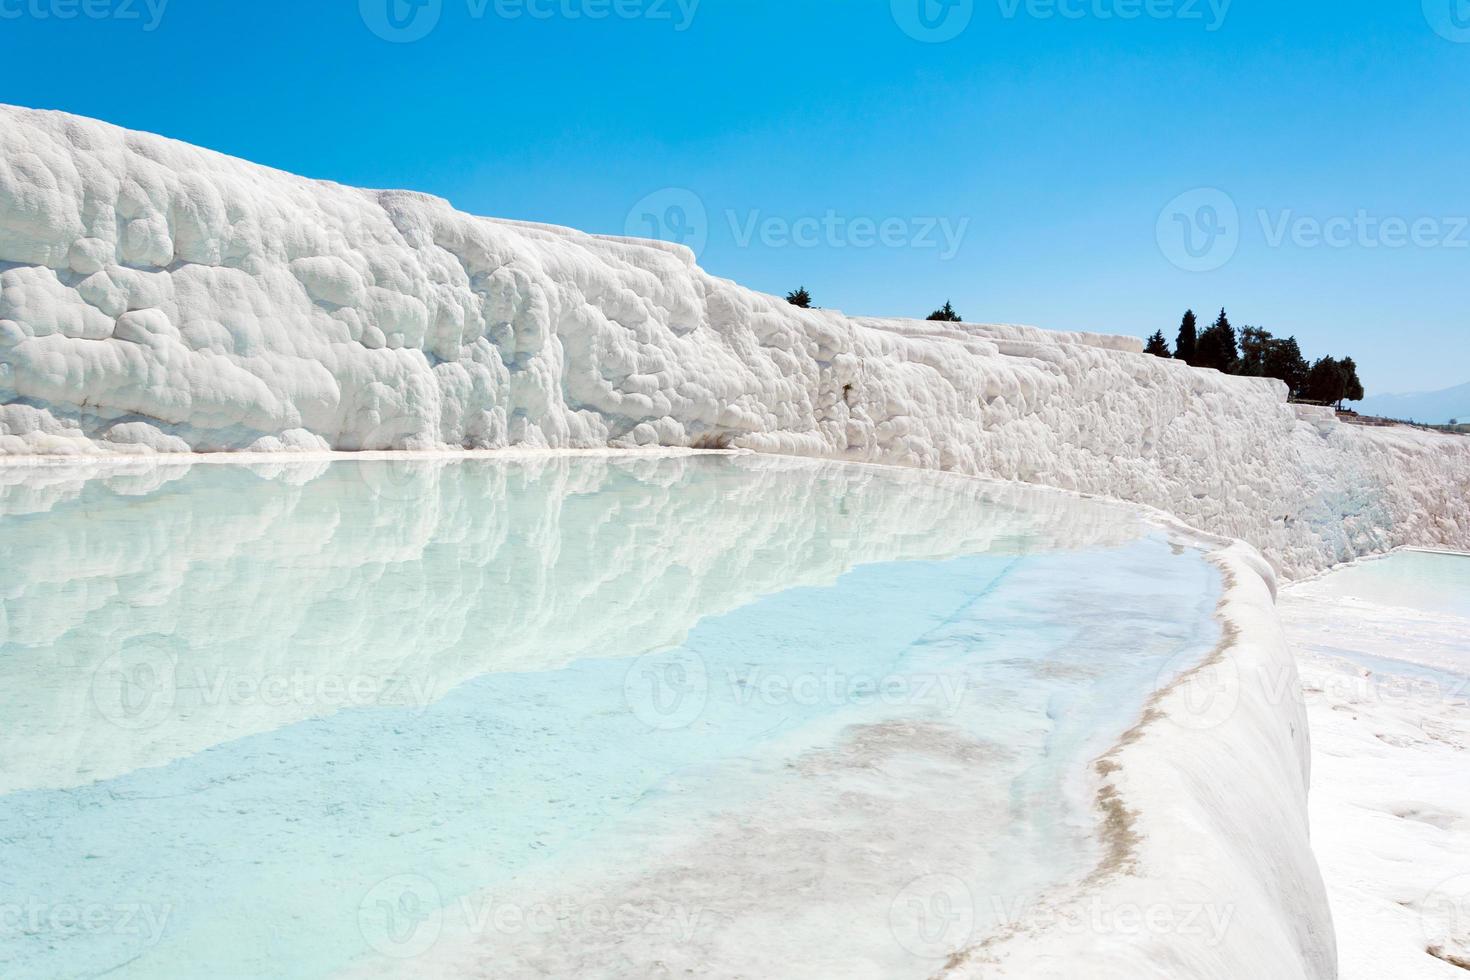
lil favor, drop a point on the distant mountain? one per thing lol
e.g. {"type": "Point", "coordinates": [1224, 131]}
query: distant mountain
{"type": "Point", "coordinates": [1433, 407]}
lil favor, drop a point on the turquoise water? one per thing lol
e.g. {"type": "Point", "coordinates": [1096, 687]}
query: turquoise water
{"type": "Point", "coordinates": [570, 717]}
{"type": "Point", "coordinates": [1432, 582]}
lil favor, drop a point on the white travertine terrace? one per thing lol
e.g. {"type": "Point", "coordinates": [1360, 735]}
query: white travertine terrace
{"type": "Point", "coordinates": [159, 297]}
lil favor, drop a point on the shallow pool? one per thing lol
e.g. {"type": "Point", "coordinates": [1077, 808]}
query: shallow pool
{"type": "Point", "coordinates": [1429, 581]}
{"type": "Point", "coordinates": [569, 717]}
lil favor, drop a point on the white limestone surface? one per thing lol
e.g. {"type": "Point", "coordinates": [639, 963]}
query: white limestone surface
{"type": "Point", "coordinates": [1384, 650]}
{"type": "Point", "coordinates": [1211, 872]}
{"type": "Point", "coordinates": [157, 297]}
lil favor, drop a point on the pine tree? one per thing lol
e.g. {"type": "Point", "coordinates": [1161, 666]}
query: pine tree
{"type": "Point", "coordinates": [1184, 347]}
{"type": "Point", "coordinates": [1217, 348]}
{"type": "Point", "coordinates": [947, 314]}
{"type": "Point", "coordinates": [801, 298]}
{"type": "Point", "coordinates": [1158, 345]}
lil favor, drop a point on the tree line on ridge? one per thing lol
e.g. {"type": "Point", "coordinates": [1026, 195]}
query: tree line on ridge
{"type": "Point", "coordinates": [1255, 353]}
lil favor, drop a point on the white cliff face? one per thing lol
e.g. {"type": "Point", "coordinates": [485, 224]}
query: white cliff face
{"type": "Point", "coordinates": [156, 297]}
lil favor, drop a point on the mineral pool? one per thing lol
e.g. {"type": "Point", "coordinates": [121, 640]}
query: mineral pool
{"type": "Point", "coordinates": [1432, 582]}
{"type": "Point", "coordinates": [559, 716]}
{"type": "Point", "coordinates": [1404, 619]}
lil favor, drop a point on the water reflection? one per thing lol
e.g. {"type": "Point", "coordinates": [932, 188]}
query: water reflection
{"type": "Point", "coordinates": [289, 720]}
{"type": "Point", "coordinates": [151, 615]}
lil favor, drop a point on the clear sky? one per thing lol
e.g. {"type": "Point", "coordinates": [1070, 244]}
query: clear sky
{"type": "Point", "coordinates": [1023, 158]}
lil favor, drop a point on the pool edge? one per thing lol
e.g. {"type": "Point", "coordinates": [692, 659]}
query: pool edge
{"type": "Point", "coordinates": [1203, 815]}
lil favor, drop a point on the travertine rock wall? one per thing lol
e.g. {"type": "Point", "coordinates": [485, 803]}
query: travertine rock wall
{"type": "Point", "coordinates": [159, 297]}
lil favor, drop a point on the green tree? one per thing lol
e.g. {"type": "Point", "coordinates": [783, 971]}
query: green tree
{"type": "Point", "coordinates": [1284, 361]}
{"type": "Point", "coordinates": [1255, 351]}
{"type": "Point", "coordinates": [947, 314]}
{"type": "Point", "coordinates": [1217, 347]}
{"type": "Point", "coordinates": [1184, 346]}
{"type": "Point", "coordinates": [1265, 356]}
{"type": "Point", "coordinates": [1325, 382]}
{"type": "Point", "coordinates": [1352, 388]}
{"type": "Point", "coordinates": [1158, 345]}
{"type": "Point", "coordinates": [801, 298]}
{"type": "Point", "coordinates": [1333, 382]}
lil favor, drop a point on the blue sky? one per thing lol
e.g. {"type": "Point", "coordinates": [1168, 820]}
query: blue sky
{"type": "Point", "coordinates": [1044, 164]}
